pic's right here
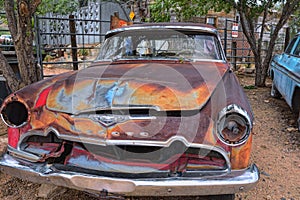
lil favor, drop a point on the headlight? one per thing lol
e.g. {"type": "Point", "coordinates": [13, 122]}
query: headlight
{"type": "Point", "coordinates": [233, 125]}
{"type": "Point", "coordinates": [14, 114]}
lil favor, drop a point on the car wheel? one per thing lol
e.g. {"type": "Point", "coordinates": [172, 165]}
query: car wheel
{"type": "Point", "coordinates": [274, 92]}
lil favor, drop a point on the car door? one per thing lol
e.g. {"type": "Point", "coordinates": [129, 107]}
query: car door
{"type": "Point", "coordinates": [284, 75]}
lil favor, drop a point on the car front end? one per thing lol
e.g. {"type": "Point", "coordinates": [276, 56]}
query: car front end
{"type": "Point", "coordinates": [151, 123]}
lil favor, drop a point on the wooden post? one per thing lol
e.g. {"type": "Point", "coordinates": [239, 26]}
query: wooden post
{"type": "Point", "coordinates": [72, 26]}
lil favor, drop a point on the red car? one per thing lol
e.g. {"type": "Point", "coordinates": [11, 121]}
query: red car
{"type": "Point", "coordinates": [159, 113]}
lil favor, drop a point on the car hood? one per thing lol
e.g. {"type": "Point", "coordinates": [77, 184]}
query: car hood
{"type": "Point", "coordinates": [177, 86]}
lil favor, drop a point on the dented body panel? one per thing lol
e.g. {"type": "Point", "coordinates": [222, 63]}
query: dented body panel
{"type": "Point", "coordinates": [138, 120]}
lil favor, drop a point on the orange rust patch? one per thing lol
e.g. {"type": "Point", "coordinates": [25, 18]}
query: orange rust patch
{"type": "Point", "coordinates": [240, 156]}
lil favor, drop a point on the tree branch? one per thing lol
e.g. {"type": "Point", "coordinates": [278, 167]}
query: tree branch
{"type": "Point", "coordinates": [265, 14]}
{"type": "Point", "coordinates": [35, 4]}
{"type": "Point", "coordinates": [248, 28]}
{"type": "Point", "coordinates": [287, 10]}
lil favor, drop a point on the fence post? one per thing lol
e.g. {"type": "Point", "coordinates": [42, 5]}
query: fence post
{"type": "Point", "coordinates": [225, 38]}
{"type": "Point", "coordinates": [72, 26]}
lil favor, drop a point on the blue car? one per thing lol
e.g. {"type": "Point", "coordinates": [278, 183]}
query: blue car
{"type": "Point", "coordinates": [285, 72]}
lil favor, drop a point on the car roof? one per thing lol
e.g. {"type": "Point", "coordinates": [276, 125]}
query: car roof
{"type": "Point", "coordinates": [174, 26]}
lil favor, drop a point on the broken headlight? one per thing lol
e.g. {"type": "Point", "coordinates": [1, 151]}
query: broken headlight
{"type": "Point", "coordinates": [233, 125]}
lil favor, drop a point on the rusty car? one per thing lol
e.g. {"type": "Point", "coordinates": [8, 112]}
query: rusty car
{"type": "Point", "coordinates": [285, 73]}
{"type": "Point", "coordinates": [158, 113]}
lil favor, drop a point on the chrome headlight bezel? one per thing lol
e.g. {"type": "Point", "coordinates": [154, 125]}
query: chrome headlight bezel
{"type": "Point", "coordinates": [237, 123]}
{"type": "Point", "coordinates": [15, 114]}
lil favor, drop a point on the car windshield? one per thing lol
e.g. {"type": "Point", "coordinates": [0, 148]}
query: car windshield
{"type": "Point", "coordinates": [156, 44]}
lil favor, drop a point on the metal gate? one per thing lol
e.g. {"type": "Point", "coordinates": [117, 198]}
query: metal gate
{"type": "Point", "coordinates": [235, 44]}
{"type": "Point", "coordinates": [72, 42]}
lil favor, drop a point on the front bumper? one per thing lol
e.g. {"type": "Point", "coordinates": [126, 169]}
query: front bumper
{"type": "Point", "coordinates": [233, 182]}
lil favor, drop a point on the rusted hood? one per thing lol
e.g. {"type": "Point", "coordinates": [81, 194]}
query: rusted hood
{"type": "Point", "coordinates": [176, 86]}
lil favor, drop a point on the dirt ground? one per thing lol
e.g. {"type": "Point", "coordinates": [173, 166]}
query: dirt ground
{"type": "Point", "coordinates": [276, 151]}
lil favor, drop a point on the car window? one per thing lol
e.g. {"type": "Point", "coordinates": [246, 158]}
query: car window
{"type": "Point", "coordinates": [297, 49]}
{"type": "Point", "coordinates": [152, 44]}
{"type": "Point", "coordinates": [290, 46]}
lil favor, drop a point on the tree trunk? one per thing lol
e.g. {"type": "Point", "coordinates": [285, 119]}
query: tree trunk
{"type": "Point", "coordinates": [19, 19]}
{"type": "Point", "coordinates": [11, 78]}
{"type": "Point", "coordinates": [260, 75]}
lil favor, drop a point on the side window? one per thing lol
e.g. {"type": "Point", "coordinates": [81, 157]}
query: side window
{"type": "Point", "coordinates": [297, 49]}
{"type": "Point", "coordinates": [290, 46]}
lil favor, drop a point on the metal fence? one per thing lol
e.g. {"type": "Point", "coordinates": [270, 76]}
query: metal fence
{"type": "Point", "coordinates": [69, 48]}
{"type": "Point", "coordinates": [237, 48]}
{"type": "Point", "coordinates": [73, 42]}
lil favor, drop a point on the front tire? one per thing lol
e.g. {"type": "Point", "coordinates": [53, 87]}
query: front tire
{"type": "Point", "coordinates": [274, 92]}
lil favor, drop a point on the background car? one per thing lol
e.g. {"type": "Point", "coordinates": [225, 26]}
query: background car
{"type": "Point", "coordinates": [159, 113]}
{"type": "Point", "coordinates": [285, 72]}
{"type": "Point", "coordinates": [6, 43]}
{"type": "Point", "coordinates": [6, 39]}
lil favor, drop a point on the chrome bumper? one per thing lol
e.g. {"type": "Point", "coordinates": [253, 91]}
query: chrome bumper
{"type": "Point", "coordinates": [233, 182]}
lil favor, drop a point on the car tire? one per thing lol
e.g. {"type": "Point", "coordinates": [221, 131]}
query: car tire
{"type": "Point", "coordinates": [274, 92]}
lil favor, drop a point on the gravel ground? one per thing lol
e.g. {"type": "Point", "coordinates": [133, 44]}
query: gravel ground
{"type": "Point", "coordinates": [275, 151]}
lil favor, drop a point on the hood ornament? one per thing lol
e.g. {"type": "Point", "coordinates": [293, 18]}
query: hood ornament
{"type": "Point", "coordinates": [108, 120]}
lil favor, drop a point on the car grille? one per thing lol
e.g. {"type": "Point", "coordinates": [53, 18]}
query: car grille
{"type": "Point", "coordinates": [143, 159]}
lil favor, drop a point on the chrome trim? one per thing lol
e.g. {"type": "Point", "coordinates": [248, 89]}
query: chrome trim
{"type": "Point", "coordinates": [233, 108]}
{"type": "Point", "coordinates": [22, 154]}
{"type": "Point", "coordinates": [235, 181]}
{"type": "Point", "coordinates": [10, 101]}
{"type": "Point", "coordinates": [177, 27]}
{"type": "Point", "coordinates": [108, 120]}
{"type": "Point", "coordinates": [13, 126]}
{"type": "Point", "coordinates": [118, 107]}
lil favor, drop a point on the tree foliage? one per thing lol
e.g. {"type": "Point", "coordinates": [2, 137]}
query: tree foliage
{"type": "Point", "coordinates": [249, 12]}
{"type": "Point", "coordinates": [184, 9]}
{"type": "Point", "coordinates": [57, 6]}
{"type": "Point", "coordinates": [295, 22]}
